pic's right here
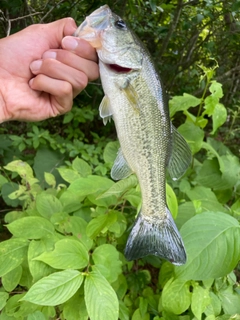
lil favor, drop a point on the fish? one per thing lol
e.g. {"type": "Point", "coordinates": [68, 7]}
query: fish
{"type": "Point", "coordinates": [136, 100]}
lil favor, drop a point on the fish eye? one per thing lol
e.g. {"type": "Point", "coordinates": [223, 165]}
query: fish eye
{"type": "Point", "coordinates": [120, 24]}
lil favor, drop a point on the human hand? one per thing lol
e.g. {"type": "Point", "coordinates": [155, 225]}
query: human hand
{"type": "Point", "coordinates": [42, 68]}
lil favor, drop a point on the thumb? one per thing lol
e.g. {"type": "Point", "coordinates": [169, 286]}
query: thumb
{"type": "Point", "coordinates": [57, 30]}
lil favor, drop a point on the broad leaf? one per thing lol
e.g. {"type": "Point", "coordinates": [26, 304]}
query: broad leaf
{"type": "Point", "coordinates": [82, 167]}
{"type": "Point", "coordinates": [100, 298]}
{"type": "Point", "coordinates": [12, 254]}
{"type": "Point", "coordinates": [181, 103]}
{"type": "Point", "coordinates": [176, 296]}
{"type": "Point", "coordinates": [11, 279]}
{"type": "Point", "coordinates": [47, 205]}
{"type": "Point", "coordinates": [24, 227]}
{"type": "Point", "coordinates": [106, 258]}
{"type": "Point", "coordinates": [3, 299]}
{"type": "Point", "coordinates": [55, 289]}
{"type": "Point", "coordinates": [200, 300]}
{"type": "Point", "coordinates": [194, 140]}
{"type": "Point", "coordinates": [212, 242]}
{"type": "Point", "coordinates": [68, 254]}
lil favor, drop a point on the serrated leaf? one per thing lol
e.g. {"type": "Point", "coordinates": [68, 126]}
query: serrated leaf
{"type": "Point", "coordinates": [176, 296]}
{"type": "Point", "coordinates": [106, 255]}
{"type": "Point", "coordinates": [12, 254]}
{"type": "Point", "coordinates": [55, 289]}
{"type": "Point", "coordinates": [212, 242]}
{"type": "Point", "coordinates": [67, 254]}
{"type": "Point", "coordinates": [24, 227]}
{"type": "Point", "coordinates": [82, 167]}
{"type": "Point", "coordinates": [100, 298]}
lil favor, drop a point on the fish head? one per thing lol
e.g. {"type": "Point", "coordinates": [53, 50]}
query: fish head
{"type": "Point", "coordinates": [116, 45]}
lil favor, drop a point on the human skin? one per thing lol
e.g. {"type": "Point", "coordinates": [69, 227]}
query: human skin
{"type": "Point", "coordinates": [42, 69]}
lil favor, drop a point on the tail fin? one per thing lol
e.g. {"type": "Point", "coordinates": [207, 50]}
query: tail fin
{"type": "Point", "coordinates": [156, 236]}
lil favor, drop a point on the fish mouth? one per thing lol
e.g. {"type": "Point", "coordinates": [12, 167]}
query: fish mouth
{"type": "Point", "coordinates": [119, 69]}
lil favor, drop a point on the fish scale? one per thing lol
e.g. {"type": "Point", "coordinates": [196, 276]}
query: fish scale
{"type": "Point", "coordinates": [149, 143]}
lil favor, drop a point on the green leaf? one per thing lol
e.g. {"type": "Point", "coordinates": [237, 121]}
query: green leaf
{"type": "Point", "coordinates": [47, 205]}
{"type": "Point", "coordinates": [39, 269]}
{"type": "Point", "coordinates": [75, 308]}
{"type": "Point", "coordinates": [110, 152]}
{"type": "Point", "coordinates": [176, 297]}
{"type": "Point", "coordinates": [172, 201]}
{"type": "Point", "coordinates": [70, 201]}
{"type": "Point", "coordinates": [82, 167]}
{"type": "Point", "coordinates": [91, 184]}
{"type": "Point", "coordinates": [50, 179]}
{"type": "Point", "coordinates": [200, 300]}
{"type": "Point", "coordinates": [118, 188]}
{"type": "Point", "coordinates": [54, 160]}
{"type": "Point", "coordinates": [230, 301]}
{"type": "Point", "coordinates": [106, 258]}
{"type": "Point", "coordinates": [212, 242]}
{"type": "Point", "coordinates": [181, 103]}
{"type": "Point", "coordinates": [55, 289]}
{"type": "Point", "coordinates": [21, 167]}
{"type": "Point", "coordinates": [68, 254]}
{"type": "Point", "coordinates": [215, 307]}
{"type": "Point", "coordinates": [7, 189]}
{"type": "Point", "coordinates": [97, 224]}
{"type": "Point", "coordinates": [11, 279]}
{"type": "Point", "coordinates": [68, 175]}
{"type": "Point", "coordinates": [100, 298]}
{"type": "Point", "coordinates": [37, 315]}
{"type": "Point", "coordinates": [12, 254]}
{"type": "Point", "coordinates": [24, 227]}
{"type": "Point", "coordinates": [219, 116]}
{"type": "Point", "coordinates": [137, 315]}
{"type": "Point", "coordinates": [3, 299]}
{"type": "Point", "coordinates": [77, 226]}
{"type": "Point", "coordinates": [194, 140]}
{"type": "Point", "coordinates": [204, 199]}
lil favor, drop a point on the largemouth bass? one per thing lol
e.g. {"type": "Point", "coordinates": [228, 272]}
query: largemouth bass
{"type": "Point", "coordinates": [135, 99]}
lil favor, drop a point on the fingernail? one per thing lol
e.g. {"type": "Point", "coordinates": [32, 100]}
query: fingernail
{"type": "Point", "coordinates": [69, 43]}
{"type": "Point", "coordinates": [49, 54]}
{"type": "Point", "coordinates": [36, 65]}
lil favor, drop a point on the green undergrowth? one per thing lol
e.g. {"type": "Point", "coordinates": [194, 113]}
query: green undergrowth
{"type": "Point", "coordinates": [68, 223]}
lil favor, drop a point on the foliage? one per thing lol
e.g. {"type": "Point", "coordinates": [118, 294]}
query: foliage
{"type": "Point", "coordinates": [69, 227]}
{"type": "Point", "coordinates": [67, 222]}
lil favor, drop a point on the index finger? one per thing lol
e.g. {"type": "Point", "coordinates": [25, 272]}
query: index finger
{"type": "Point", "coordinates": [79, 47]}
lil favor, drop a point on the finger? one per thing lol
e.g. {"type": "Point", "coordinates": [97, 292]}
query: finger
{"type": "Point", "coordinates": [56, 70]}
{"type": "Point", "coordinates": [80, 47]}
{"type": "Point", "coordinates": [61, 95]}
{"type": "Point", "coordinates": [70, 59]}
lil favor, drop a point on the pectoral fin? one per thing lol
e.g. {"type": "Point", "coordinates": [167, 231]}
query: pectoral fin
{"type": "Point", "coordinates": [105, 110]}
{"type": "Point", "coordinates": [132, 96]}
{"type": "Point", "coordinates": [120, 169]}
{"type": "Point", "coordinates": [181, 156]}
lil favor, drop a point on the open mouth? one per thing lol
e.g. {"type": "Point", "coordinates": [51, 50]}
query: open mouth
{"type": "Point", "coordinates": [119, 69]}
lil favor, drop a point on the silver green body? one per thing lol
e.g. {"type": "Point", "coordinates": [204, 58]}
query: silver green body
{"type": "Point", "coordinates": [135, 99]}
